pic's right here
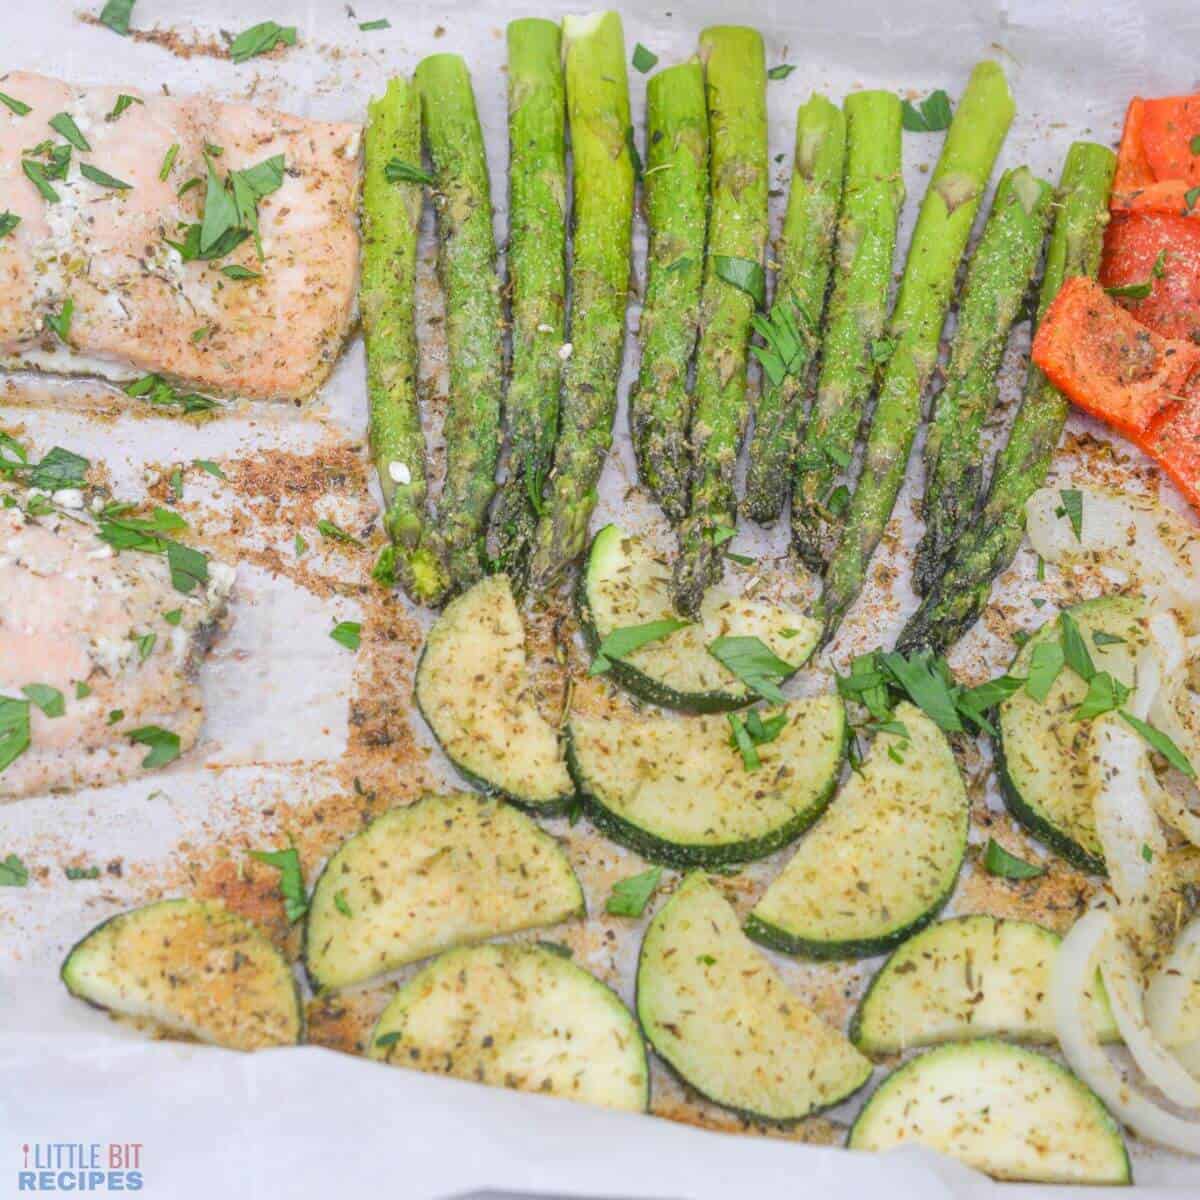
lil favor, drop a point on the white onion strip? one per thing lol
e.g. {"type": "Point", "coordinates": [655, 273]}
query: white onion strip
{"type": "Point", "coordinates": [1072, 982]}
{"type": "Point", "coordinates": [1172, 987]}
{"type": "Point", "coordinates": [1122, 981]}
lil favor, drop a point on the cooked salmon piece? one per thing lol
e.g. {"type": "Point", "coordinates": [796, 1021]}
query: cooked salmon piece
{"type": "Point", "coordinates": [112, 636]}
{"type": "Point", "coordinates": [137, 307]}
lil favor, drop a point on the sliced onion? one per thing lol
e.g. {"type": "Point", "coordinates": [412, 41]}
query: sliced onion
{"type": "Point", "coordinates": [1126, 823]}
{"type": "Point", "coordinates": [1123, 982]}
{"type": "Point", "coordinates": [1158, 548]}
{"type": "Point", "coordinates": [1072, 981]}
{"type": "Point", "coordinates": [1189, 1054]}
{"type": "Point", "coordinates": [1173, 995]}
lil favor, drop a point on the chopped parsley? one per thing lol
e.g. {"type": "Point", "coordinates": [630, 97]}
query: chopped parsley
{"type": "Point", "coordinates": [123, 103]}
{"type": "Point", "coordinates": [742, 273]}
{"type": "Point", "coordinates": [644, 60]}
{"type": "Point", "coordinates": [630, 896]}
{"type": "Point", "coordinates": [997, 861]}
{"type": "Point", "coordinates": [48, 699]}
{"type": "Point", "coordinates": [103, 178]}
{"type": "Point", "coordinates": [335, 533]}
{"type": "Point", "coordinates": [14, 730]}
{"type": "Point", "coordinates": [260, 39]}
{"type": "Point", "coordinates": [291, 879]}
{"type": "Point", "coordinates": [162, 743]}
{"type": "Point", "coordinates": [13, 104]}
{"type": "Point", "coordinates": [347, 633]}
{"type": "Point", "coordinates": [620, 643]}
{"type": "Point", "coordinates": [63, 123]}
{"type": "Point", "coordinates": [116, 14]}
{"type": "Point", "coordinates": [13, 872]}
{"type": "Point", "coordinates": [754, 663]}
{"type": "Point", "coordinates": [398, 171]}
{"type": "Point", "coordinates": [932, 115]}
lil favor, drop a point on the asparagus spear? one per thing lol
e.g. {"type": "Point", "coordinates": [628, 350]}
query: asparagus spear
{"type": "Point", "coordinates": [805, 259]}
{"type": "Point", "coordinates": [915, 328]}
{"type": "Point", "coordinates": [391, 214]}
{"type": "Point", "coordinates": [474, 329]}
{"type": "Point", "coordinates": [952, 608]}
{"type": "Point", "coordinates": [676, 194]}
{"type": "Point", "coordinates": [598, 112]}
{"type": "Point", "coordinates": [998, 279]}
{"type": "Point", "coordinates": [736, 91]}
{"type": "Point", "coordinates": [866, 243]}
{"type": "Point", "coordinates": [537, 280]}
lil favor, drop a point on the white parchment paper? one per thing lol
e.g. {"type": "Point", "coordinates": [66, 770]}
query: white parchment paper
{"type": "Point", "coordinates": [309, 1122]}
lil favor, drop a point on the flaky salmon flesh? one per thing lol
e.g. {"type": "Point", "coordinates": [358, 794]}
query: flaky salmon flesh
{"type": "Point", "coordinates": [113, 638]}
{"type": "Point", "coordinates": [237, 324]}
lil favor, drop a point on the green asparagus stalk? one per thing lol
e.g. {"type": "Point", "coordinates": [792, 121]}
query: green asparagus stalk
{"type": "Point", "coordinates": [736, 91]}
{"type": "Point", "coordinates": [915, 328]}
{"type": "Point", "coordinates": [805, 255]}
{"type": "Point", "coordinates": [474, 327]}
{"type": "Point", "coordinates": [391, 214]}
{"type": "Point", "coordinates": [537, 277]}
{"type": "Point", "coordinates": [866, 244]}
{"type": "Point", "coordinates": [676, 198]}
{"type": "Point", "coordinates": [953, 607]}
{"type": "Point", "coordinates": [1001, 271]}
{"type": "Point", "coordinates": [603, 188]}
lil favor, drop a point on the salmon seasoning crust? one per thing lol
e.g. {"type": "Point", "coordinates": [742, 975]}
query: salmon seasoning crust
{"type": "Point", "coordinates": [213, 244]}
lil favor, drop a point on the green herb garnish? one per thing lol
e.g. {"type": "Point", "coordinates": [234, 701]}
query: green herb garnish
{"type": "Point", "coordinates": [932, 115]}
{"type": "Point", "coordinates": [754, 663]}
{"type": "Point", "coordinates": [620, 643]}
{"type": "Point", "coordinates": [116, 14]}
{"type": "Point", "coordinates": [644, 60]}
{"type": "Point", "coordinates": [291, 879]}
{"type": "Point", "coordinates": [347, 633]}
{"type": "Point", "coordinates": [48, 699]}
{"type": "Point", "coordinates": [103, 178]}
{"type": "Point", "coordinates": [997, 861]}
{"type": "Point", "coordinates": [260, 39]}
{"type": "Point", "coordinates": [63, 123]}
{"type": "Point", "coordinates": [163, 744]}
{"type": "Point", "coordinates": [630, 896]}
{"type": "Point", "coordinates": [742, 273]}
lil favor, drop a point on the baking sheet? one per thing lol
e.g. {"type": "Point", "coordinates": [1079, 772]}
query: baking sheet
{"type": "Point", "coordinates": [303, 740]}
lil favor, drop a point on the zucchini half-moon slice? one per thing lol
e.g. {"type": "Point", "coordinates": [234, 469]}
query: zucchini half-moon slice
{"type": "Point", "coordinates": [473, 690]}
{"type": "Point", "coordinates": [716, 1010]}
{"type": "Point", "coordinates": [883, 859]}
{"type": "Point", "coordinates": [517, 1016]}
{"type": "Point", "coordinates": [999, 1108]}
{"type": "Point", "coordinates": [624, 583]}
{"type": "Point", "coordinates": [678, 791]}
{"type": "Point", "coordinates": [439, 873]}
{"type": "Point", "coordinates": [194, 968]}
{"type": "Point", "coordinates": [967, 978]}
{"type": "Point", "coordinates": [1042, 760]}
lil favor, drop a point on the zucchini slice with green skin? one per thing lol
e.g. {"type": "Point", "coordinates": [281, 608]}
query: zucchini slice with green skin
{"type": "Point", "coordinates": [677, 790]}
{"type": "Point", "coordinates": [193, 967]}
{"type": "Point", "coordinates": [473, 691]}
{"type": "Point", "coordinates": [517, 1016]}
{"type": "Point", "coordinates": [625, 583]}
{"type": "Point", "coordinates": [1002, 1109]}
{"type": "Point", "coordinates": [1041, 752]}
{"type": "Point", "coordinates": [882, 861]}
{"type": "Point", "coordinates": [967, 978]}
{"type": "Point", "coordinates": [716, 1010]}
{"type": "Point", "coordinates": [445, 871]}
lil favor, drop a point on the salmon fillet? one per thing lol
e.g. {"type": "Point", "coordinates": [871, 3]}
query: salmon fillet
{"type": "Point", "coordinates": [109, 633]}
{"type": "Point", "coordinates": [138, 307]}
